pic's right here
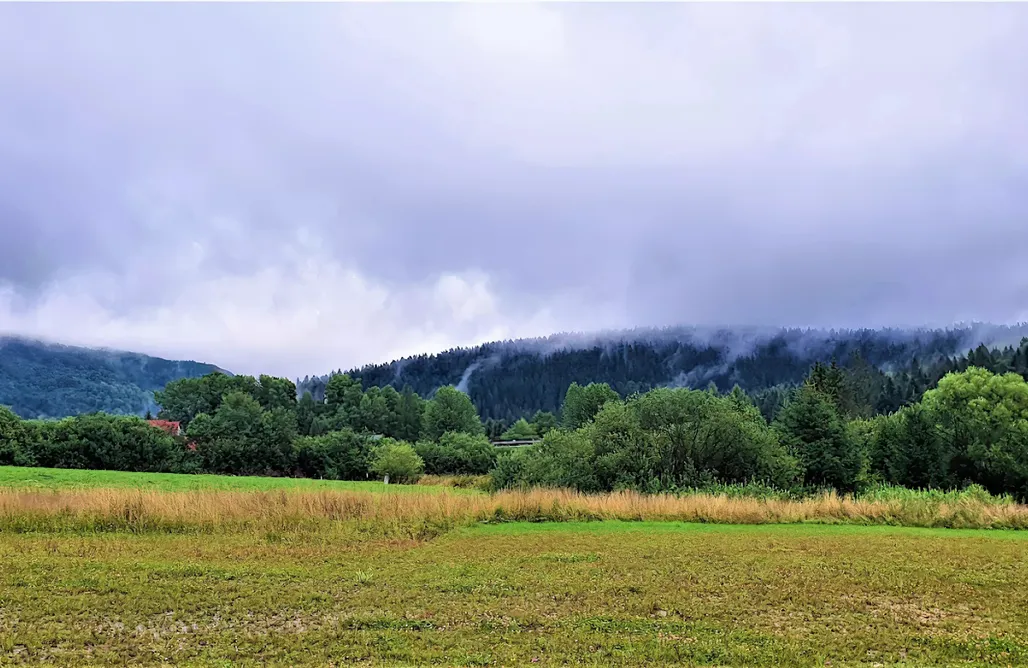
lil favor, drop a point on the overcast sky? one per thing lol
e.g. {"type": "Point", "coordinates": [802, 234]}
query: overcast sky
{"type": "Point", "coordinates": [292, 188]}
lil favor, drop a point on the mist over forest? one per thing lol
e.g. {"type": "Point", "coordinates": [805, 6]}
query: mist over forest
{"type": "Point", "coordinates": [507, 380]}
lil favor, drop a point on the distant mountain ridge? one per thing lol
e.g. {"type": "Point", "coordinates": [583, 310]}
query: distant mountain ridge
{"type": "Point", "coordinates": [511, 379]}
{"type": "Point", "coordinates": [47, 380]}
{"type": "Point", "coordinates": [506, 379]}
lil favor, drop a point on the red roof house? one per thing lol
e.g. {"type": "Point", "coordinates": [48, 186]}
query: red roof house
{"type": "Point", "coordinates": [172, 427]}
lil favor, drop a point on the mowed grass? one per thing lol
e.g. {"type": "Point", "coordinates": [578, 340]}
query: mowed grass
{"type": "Point", "coordinates": [94, 573]}
{"type": "Point", "coordinates": [18, 477]}
{"type": "Point", "coordinates": [598, 593]}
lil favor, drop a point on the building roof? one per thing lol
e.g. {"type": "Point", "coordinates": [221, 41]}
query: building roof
{"type": "Point", "coordinates": [171, 426]}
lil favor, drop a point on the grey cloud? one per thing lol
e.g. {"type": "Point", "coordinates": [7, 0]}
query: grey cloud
{"type": "Point", "coordinates": [601, 165]}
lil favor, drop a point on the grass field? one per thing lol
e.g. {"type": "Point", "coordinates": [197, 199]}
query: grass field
{"type": "Point", "coordinates": [520, 594]}
{"type": "Point", "coordinates": [20, 477]}
{"type": "Point", "coordinates": [101, 568]}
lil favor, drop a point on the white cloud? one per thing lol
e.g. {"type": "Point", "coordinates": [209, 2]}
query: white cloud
{"type": "Point", "coordinates": [307, 314]}
{"type": "Point", "coordinates": [675, 162]}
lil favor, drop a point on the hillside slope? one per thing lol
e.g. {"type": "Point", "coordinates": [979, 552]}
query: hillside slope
{"type": "Point", "coordinates": [46, 380]}
{"type": "Point", "coordinates": [510, 379]}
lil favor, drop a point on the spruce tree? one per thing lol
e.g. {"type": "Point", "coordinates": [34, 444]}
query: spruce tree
{"type": "Point", "coordinates": [815, 433]}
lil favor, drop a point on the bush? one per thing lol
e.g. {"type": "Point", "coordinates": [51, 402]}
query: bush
{"type": "Point", "coordinates": [101, 441]}
{"type": "Point", "coordinates": [521, 430]}
{"type": "Point", "coordinates": [664, 440]}
{"type": "Point", "coordinates": [457, 454]}
{"type": "Point", "coordinates": [509, 471]}
{"type": "Point", "coordinates": [337, 455]}
{"type": "Point", "coordinates": [703, 437]}
{"type": "Point", "coordinates": [981, 421]}
{"type": "Point", "coordinates": [563, 459]}
{"type": "Point", "coordinates": [397, 460]}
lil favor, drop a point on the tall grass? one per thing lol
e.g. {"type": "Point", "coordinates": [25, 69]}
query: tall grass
{"type": "Point", "coordinates": [482, 483]}
{"type": "Point", "coordinates": [421, 516]}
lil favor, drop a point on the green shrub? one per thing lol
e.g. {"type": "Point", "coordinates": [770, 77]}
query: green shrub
{"type": "Point", "coordinates": [397, 460]}
{"type": "Point", "coordinates": [457, 453]}
{"type": "Point", "coordinates": [101, 441]}
{"type": "Point", "coordinates": [337, 455]}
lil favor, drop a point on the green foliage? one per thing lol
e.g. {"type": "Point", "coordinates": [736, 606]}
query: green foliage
{"type": "Point", "coordinates": [13, 439]}
{"type": "Point", "coordinates": [883, 369]}
{"type": "Point", "coordinates": [983, 419]}
{"type": "Point", "coordinates": [662, 440]}
{"type": "Point", "coordinates": [275, 393]}
{"type": "Point", "coordinates": [242, 425]}
{"type": "Point", "coordinates": [812, 429]}
{"type": "Point", "coordinates": [581, 404]}
{"type": "Point", "coordinates": [39, 380]}
{"type": "Point", "coordinates": [543, 422]}
{"type": "Point", "coordinates": [410, 416]}
{"type": "Point", "coordinates": [101, 441]}
{"type": "Point", "coordinates": [909, 448]}
{"type": "Point", "coordinates": [970, 428]}
{"type": "Point", "coordinates": [522, 430]}
{"type": "Point", "coordinates": [457, 453]}
{"type": "Point", "coordinates": [338, 455]}
{"type": "Point", "coordinates": [564, 459]}
{"type": "Point", "coordinates": [376, 411]}
{"type": "Point", "coordinates": [307, 416]}
{"type": "Point", "coordinates": [451, 410]}
{"type": "Point", "coordinates": [343, 392]}
{"type": "Point", "coordinates": [704, 436]}
{"type": "Point", "coordinates": [241, 438]}
{"type": "Point", "coordinates": [397, 460]}
{"type": "Point", "coordinates": [182, 400]}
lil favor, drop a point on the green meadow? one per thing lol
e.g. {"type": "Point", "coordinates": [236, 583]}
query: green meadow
{"type": "Point", "coordinates": [115, 584]}
{"type": "Point", "coordinates": [45, 478]}
{"type": "Point", "coordinates": [608, 593]}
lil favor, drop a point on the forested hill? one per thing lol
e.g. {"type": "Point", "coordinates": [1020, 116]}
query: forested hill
{"type": "Point", "coordinates": [511, 379]}
{"type": "Point", "coordinates": [40, 380]}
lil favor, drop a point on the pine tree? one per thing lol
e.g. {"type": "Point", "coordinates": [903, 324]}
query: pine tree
{"type": "Point", "coordinates": [1019, 364]}
{"type": "Point", "coordinates": [982, 358]}
{"type": "Point", "coordinates": [409, 415]}
{"type": "Point", "coordinates": [863, 385]}
{"type": "Point", "coordinates": [828, 381]}
{"type": "Point", "coordinates": [739, 398]}
{"type": "Point", "coordinates": [811, 427]}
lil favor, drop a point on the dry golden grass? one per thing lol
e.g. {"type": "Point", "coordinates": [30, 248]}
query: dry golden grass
{"type": "Point", "coordinates": [425, 515]}
{"type": "Point", "coordinates": [480, 482]}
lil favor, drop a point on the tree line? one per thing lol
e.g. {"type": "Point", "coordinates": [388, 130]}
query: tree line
{"type": "Point", "coordinates": [972, 428]}
{"type": "Point", "coordinates": [510, 380]}
{"type": "Point", "coordinates": [242, 425]}
{"type": "Point", "coordinates": [969, 425]}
